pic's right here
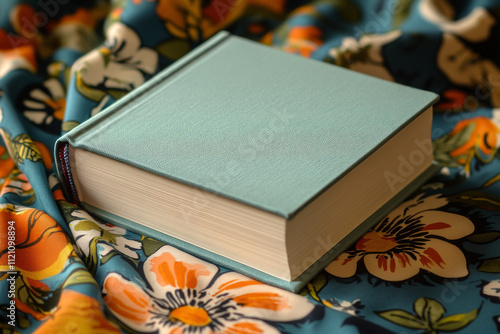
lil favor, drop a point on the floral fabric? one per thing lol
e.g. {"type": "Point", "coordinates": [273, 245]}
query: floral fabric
{"type": "Point", "coordinates": [431, 266]}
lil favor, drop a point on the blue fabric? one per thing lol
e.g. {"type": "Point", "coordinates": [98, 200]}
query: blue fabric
{"type": "Point", "coordinates": [432, 265]}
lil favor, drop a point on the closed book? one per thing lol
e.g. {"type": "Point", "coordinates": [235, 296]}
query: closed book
{"type": "Point", "coordinates": [263, 162]}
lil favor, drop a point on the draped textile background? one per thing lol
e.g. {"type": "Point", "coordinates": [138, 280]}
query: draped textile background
{"type": "Point", "coordinates": [431, 266]}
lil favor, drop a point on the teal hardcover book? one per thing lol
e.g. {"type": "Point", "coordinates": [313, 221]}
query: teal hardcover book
{"type": "Point", "coordinates": [261, 161]}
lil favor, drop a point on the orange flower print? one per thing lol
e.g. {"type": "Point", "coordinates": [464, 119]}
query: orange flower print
{"type": "Point", "coordinates": [42, 248]}
{"type": "Point", "coordinates": [22, 18]}
{"type": "Point", "coordinates": [6, 163]}
{"type": "Point", "coordinates": [77, 312]}
{"type": "Point", "coordinates": [45, 105]}
{"type": "Point", "coordinates": [303, 40]}
{"type": "Point", "coordinates": [196, 20]}
{"type": "Point", "coordinates": [45, 153]}
{"type": "Point", "coordinates": [16, 52]}
{"type": "Point", "coordinates": [471, 138]}
{"type": "Point", "coordinates": [186, 296]}
{"type": "Point", "coordinates": [409, 239]}
{"type": "Point", "coordinates": [484, 137]}
{"type": "Point", "coordinates": [17, 183]}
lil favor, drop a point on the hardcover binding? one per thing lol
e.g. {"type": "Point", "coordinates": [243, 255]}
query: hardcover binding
{"type": "Point", "coordinates": [65, 168]}
{"type": "Point", "coordinates": [77, 138]}
{"type": "Point", "coordinates": [294, 286]}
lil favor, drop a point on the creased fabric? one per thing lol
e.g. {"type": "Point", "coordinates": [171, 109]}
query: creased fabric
{"type": "Point", "coordinates": [431, 266]}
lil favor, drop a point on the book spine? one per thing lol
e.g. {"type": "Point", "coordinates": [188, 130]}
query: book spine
{"type": "Point", "coordinates": [68, 183]}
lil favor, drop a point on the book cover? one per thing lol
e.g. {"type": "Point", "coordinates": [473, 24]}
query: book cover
{"type": "Point", "coordinates": [232, 119]}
